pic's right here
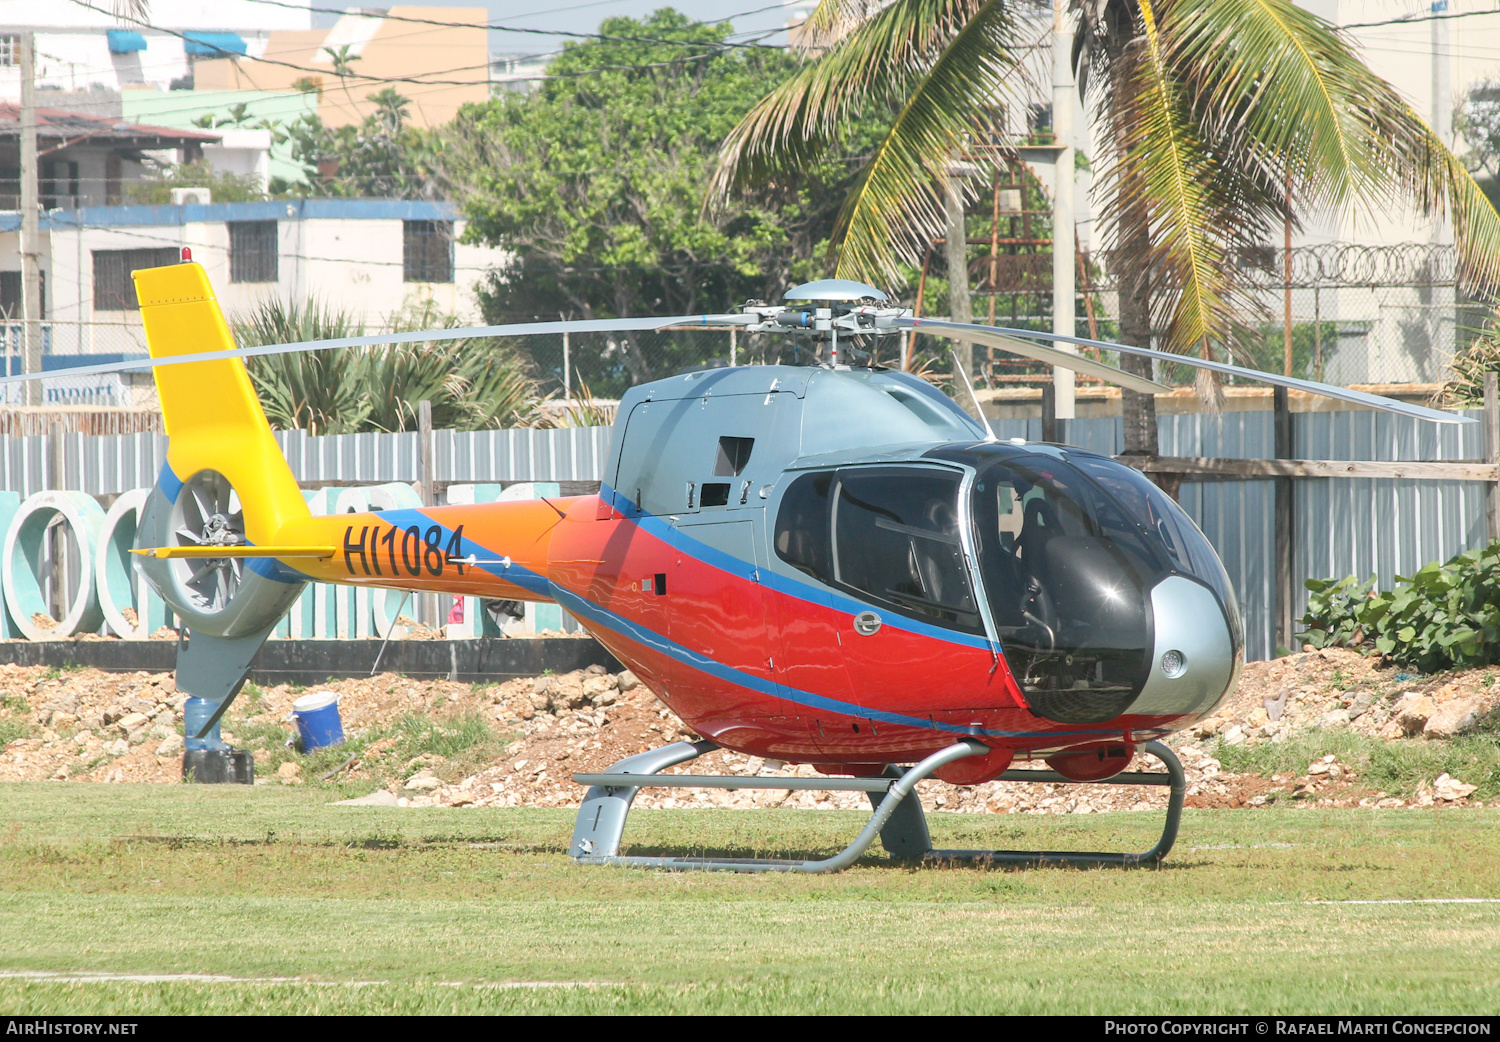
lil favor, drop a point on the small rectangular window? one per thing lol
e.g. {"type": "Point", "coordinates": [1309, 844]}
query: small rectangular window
{"type": "Point", "coordinates": [427, 251]}
{"type": "Point", "coordinates": [10, 295]}
{"type": "Point", "coordinates": [10, 50]}
{"type": "Point", "coordinates": [114, 289]}
{"type": "Point", "coordinates": [254, 251]}
{"type": "Point", "coordinates": [802, 534]}
{"type": "Point", "coordinates": [734, 454]}
{"type": "Point", "coordinates": [715, 493]}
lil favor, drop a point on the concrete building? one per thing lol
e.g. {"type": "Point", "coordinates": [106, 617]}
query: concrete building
{"type": "Point", "coordinates": [87, 160]}
{"type": "Point", "coordinates": [438, 68]}
{"type": "Point", "coordinates": [366, 257]}
{"type": "Point", "coordinates": [1375, 297]}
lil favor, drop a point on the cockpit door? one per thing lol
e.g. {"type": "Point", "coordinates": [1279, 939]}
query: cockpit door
{"type": "Point", "coordinates": [916, 641]}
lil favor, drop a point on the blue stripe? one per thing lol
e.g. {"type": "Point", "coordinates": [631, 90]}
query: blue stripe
{"type": "Point", "coordinates": [650, 638]}
{"type": "Point", "coordinates": [169, 483]}
{"type": "Point", "coordinates": [276, 571]}
{"type": "Point", "coordinates": [647, 637]}
{"type": "Point", "coordinates": [515, 574]}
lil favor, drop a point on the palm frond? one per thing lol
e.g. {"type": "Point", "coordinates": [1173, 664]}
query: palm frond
{"type": "Point", "coordinates": [1291, 94]}
{"type": "Point", "coordinates": [880, 63]}
{"type": "Point", "coordinates": [1165, 180]}
{"type": "Point", "coordinates": [898, 201]}
{"type": "Point", "coordinates": [313, 390]}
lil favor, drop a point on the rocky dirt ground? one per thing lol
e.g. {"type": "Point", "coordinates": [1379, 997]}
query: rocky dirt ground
{"type": "Point", "coordinates": [87, 725]}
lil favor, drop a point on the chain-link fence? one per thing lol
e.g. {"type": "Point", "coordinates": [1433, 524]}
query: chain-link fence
{"type": "Point", "coordinates": [64, 345]}
{"type": "Point", "coordinates": [1359, 315]}
{"type": "Point", "coordinates": [1362, 314]}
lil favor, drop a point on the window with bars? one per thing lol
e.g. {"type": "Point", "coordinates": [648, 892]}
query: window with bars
{"type": "Point", "coordinates": [114, 289]}
{"type": "Point", "coordinates": [10, 50]}
{"type": "Point", "coordinates": [427, 251]}
{"type": "Point", "coordinates": [253, 251]}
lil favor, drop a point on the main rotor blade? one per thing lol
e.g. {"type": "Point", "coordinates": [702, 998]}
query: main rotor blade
{"type": "Point", "coordinates": [989, 336]}
{"type": "Point", "coordinates": [1345, 394]}
{"type": "Point", "coordinates": [597, 325]}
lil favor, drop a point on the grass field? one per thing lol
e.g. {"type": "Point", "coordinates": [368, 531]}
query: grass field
{"type": "Point", "coordinates": [374, 910]}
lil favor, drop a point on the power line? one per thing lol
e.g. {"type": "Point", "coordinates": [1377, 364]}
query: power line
{"type": "Point", "coordinates": [1414, 19]}
{"type": "Point", "coordinates": [425, 80]}
{"type": "Point", "coordinates": [507, 28]}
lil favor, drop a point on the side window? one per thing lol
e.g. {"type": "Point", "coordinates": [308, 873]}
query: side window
{"type": "Point", "coordinates": [802, 538]}
{"type": "Point", "coordinates": [114, 289]}
{"type": "Point", "coordinates": [427, 251]}
{"type": "Point", "coordinates": [254, 250]}
{"type": "Point", "coordinates": [896, 541]}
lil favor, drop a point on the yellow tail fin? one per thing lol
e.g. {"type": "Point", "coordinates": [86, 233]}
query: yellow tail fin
{"type": "Point", "coordinates": [214, 420]}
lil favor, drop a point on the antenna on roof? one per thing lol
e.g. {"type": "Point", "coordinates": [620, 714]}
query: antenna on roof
{"type": "Point", "coordinates": [974, 398]}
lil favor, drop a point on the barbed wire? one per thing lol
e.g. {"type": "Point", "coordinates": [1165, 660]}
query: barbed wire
{"type": "Point", "coordinates": [1331, 265]}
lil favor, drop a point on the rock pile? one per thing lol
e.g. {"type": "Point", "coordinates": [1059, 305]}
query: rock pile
{"type": "Point", "coordinates": [94, 726]}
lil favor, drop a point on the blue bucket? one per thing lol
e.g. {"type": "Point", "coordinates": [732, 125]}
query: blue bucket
{"type": "Point", "coordinates": [318, 723]}
{"type": "Point", "coordinates": [195, 713]}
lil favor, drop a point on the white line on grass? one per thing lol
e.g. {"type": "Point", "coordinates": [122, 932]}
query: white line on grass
{"type": "Point", "coordinates": [88, 977]}
{"type": "Point", "coordinates": [85, 977]}
{"type": "Point", "coordinates": [1404, 901]}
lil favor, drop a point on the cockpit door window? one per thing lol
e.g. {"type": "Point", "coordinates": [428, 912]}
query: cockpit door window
{"type": "Point", "coordinates": [889, 535]}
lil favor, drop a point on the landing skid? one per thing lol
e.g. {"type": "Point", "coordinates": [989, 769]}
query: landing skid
{"type": "Point", "coordinates": [899, 822]}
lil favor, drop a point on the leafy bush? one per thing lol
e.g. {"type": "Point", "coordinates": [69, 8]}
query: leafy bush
{"type": "Point", "coordinates": [1332, 610]}
{"type": "Point", "coordinates": [223, 187]}
{"type": "Point", "coordinates": [473, 384]}
{"type": "Point", "coordinates": [1446, 616]}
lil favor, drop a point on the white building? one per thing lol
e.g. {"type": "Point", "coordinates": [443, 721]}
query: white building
{"type": "Point", "coordinates": [79, 47]}
{"type": "Point", "coordinates": [365, 257]}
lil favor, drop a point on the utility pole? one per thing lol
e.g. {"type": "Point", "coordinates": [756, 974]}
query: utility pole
{"type": "Point", "coordinates": [31, 243]}
{"type": "Point", "coordinates": [1062, 203]}
{"type": "Point", "coordinates": [956, 252]}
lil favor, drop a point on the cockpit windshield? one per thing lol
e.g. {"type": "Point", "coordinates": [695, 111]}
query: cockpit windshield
{"type": "Point", "coordinates": [1162, 522]}
{"type": "Point", "coordinates": [1069, 551]}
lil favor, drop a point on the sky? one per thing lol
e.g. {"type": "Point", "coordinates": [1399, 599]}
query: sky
{"type": "Point", "coordinates": [585, 16]}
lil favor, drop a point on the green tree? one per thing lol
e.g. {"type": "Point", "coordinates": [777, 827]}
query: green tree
{"type": "Point", "coordinates": [1208, 114]}
{"type": "Point", "coordinates": [382, 157]}
{"type": "Point", "coordinates": [595, 182]}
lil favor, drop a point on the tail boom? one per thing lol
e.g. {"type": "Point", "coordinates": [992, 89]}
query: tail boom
{"type": "Point", "coordinates": [497, 550]}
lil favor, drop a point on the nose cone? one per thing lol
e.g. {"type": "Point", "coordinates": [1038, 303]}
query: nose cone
{"type": "Point", "coordinates": [1193, 662]}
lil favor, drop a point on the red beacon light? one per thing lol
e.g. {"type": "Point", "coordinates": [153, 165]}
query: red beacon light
{"type": "Point", "coordinates": [187, 254]}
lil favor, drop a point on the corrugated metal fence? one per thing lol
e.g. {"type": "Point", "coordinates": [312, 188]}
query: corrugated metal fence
{"type": "Point", "coordinates": [1343, 526]}
{"type": "Point", "coordinates": [117, 463]}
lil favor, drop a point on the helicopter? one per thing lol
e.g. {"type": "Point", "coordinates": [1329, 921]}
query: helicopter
{"type": "Point", "coordinates": [831, 564]}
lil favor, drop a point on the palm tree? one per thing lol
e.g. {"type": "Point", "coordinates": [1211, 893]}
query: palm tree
{"type": "Point", "coordinates": [1223, 119]}
{"type": "Point", "coordinates": [473, 384]}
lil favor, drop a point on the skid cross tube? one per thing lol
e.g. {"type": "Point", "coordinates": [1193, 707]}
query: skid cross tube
{"type": "Point", "coordinates": [900, 823]}
{"type": "Point", "coordinates": [1174, 779]}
